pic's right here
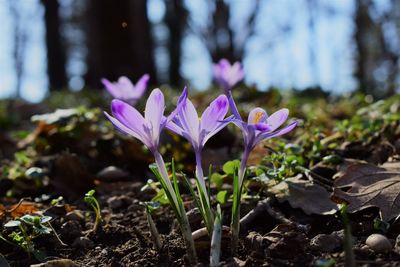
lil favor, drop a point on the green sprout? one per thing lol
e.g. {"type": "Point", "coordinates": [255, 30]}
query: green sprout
{"type": "Point", "coordinates": [92, 201]}
{"type": "Point", "coordinates": [29, 228]}
{"type": "Point", "coordinates": [348, 239]}
{"type": "Point", "coordinates": [149, 208]}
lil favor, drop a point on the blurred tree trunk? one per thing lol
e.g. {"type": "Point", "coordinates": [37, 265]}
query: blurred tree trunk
{"type": "Point", "coordinates": [119, 40]}
{"type": "Point", "coordinates": [220, 38]}
{"type": "Point", "coordinates": [19, 44]}
{"type": "Point", "coordinates": [364, 41]}
{"type": "Point", "coordinates": [55, 50]}
{"type": "Point", "coordinates": [175, 18]}
{"type": "Point", "coordinates": [222, 34]}
{"type": "Point", "coordinates": [377, 69]}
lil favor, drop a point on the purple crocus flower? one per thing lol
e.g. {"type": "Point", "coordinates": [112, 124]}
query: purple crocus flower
{"type": "Point", "coordinates": [198, 131]}
{"type": "Point", "coordinates": [123, 89]}
{"type": "Point", "coordinates": [228, 75]}
{"type": "Point", "coordinates": [260, 127]}
{"type": "Point", "coordinates": [148, 128]}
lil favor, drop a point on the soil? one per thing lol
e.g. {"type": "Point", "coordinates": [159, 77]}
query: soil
{"type": "Point", "coordinates": [123, 238]}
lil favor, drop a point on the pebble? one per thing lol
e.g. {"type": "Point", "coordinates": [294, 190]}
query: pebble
{"type": "Point", "coordinates": [70, 230]}
{"type": "Point", "coordinates": [378, 243]}
{"type": "Point", "coordinates": [117, 202]}
{"type": "Point", "coordinates": [57, 263]}
{"type": "Point", "coordinates": [325, 243]}
{"type": "Point", "coordinates": [75, 215]}
{"type": "Point", "coordinates": [397, 244]}
{"type": "Point", "coordinates": [112, 173]}
{"type": "Point", "coordinates": [83, 242]}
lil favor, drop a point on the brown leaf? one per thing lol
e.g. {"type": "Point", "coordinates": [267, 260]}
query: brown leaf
{"type": "Point", "coordinates": [371, 186]}
{"type": "Point", "coordinates": [19, 210]}
{"type": "Point", "coordinates": [304, 194]}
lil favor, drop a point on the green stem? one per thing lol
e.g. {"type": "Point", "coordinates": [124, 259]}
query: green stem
{"type": "Point", "coordinates": [215, 251]}
{"type": "Point", "coordinates": [179, 209]}
{"type": "Point", "coordinates": [237, 193]}
{"type": "Point", "coordinates": [153, 230]}
{"type": "Point", "coordinates": [348, 240]}
{"type": "Point", "coordinates": [208, 216]}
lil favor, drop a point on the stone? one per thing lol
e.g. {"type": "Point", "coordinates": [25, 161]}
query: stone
{"type": "Point", "coordinates": [57, 263]}
{"type": "Point", "coordinates": [325, 243]}
{"type": "Point", "coordinates": [378, 243]}
{"type": "Point", "coordinates": [83, 242]}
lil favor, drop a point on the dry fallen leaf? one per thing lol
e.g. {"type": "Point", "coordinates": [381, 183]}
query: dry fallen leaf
{"type": "Point", "coordinates": [19, 210]}
{"type": "Point", "coordinates": [304, 194]}
{"type": "Point", "coordinates": [371, 186]}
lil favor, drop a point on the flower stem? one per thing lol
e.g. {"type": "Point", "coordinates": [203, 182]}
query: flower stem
{"type": "Point", "coordinates": [237, 193]}
{"type": "Point", "coordinates": [215, 250]}
{"type": "Point", "coordinates": [179, 209]}
{"type": "Point", "coordinates": [164, 174]}
{"type": "Point", "coordinates": [203, 195]}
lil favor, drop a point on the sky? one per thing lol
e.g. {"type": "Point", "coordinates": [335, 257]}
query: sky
{"type": "Point", "coordinates": [298, 58]}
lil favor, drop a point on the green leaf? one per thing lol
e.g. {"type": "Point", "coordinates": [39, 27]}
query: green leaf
{"type": "Point", "coordinates": [230, 166]}
{"type": "Point", "coordinates": [161, 197]}
{"type": "Point", "coordinates": [151, 206]}
{"type": "Point", "coordinates": [41, 229]}
{"type": "Point", "coordinates": [222, 196]}
{"type": "Point", "coordinates": [90, 193]}
{"type": "Point", "coordinates": [3, 261]}
{"type": "Point", "coordinates": [332, 159]}
{"type": "Point", "coordinates": [30, 219]}
{"type": "Point", "coordinates": [40, 255]}
{"type": "Point", "coordinates": [259, 172]}
{"type": "Point", "coordinates": [217, 179]}
{"type": "Point", "coordinates": [12, 224]}
{"type": "Point", "coordinates": [325, 263]}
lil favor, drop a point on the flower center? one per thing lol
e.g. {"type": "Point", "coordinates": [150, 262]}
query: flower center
{"type": "Point", "coordinates": [257, 117]}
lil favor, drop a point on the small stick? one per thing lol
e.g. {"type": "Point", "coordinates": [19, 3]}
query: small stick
{"type": "Point", "coordinates": [215, 250]}
{"type": "Point", "coordinates": [265, 206]}
{"type": "Point", "coordinates": [202, 232]}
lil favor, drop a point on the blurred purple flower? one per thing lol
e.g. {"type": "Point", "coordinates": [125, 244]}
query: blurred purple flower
{"type": "Point", "coordinates": [228, 75]}
{"type": "Point", "coordinates": [124, 90]}
{"type": "Point", "coordinates": [148, 128]}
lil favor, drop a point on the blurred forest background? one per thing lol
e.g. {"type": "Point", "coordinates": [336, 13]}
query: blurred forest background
{"type": "Point", "coordinates": [338, 46]}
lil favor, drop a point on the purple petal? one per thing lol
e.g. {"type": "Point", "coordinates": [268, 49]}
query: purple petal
{"type": "Point", "coordinates": [111, 88]}
{"type": "Point", "coordinates": [123, 128]}
{"type": "Point", "coordinates": [257, 115]}
{"type": "Point", "coordinates": [233, 106]}
{"type": "Point", "coordinates": [189, 121]}
{"type": "Point", "coordinates": [268, 135]}
{"type": "Point", "coordinates": [175, 128]}
{"type": "Point", "coordinates": [141, 85]}
{"type": "Point", "coordinates": [220, 126]}
{"type": "Point", "coordinates": [128, 116]}
{"type": "Point", "coordinates": [241, 124]}
{"type": "Point", "coordinates": [214, 113]}
{"type": "Point", "coordinates": [126, 88]}
{"type": "Point", "coordinates": [278, 118]}
{"type": "Point", "coordinates": [179, 105]}
{"type": "Point", "coordinates": [262, 127]}
{"type": "Point", "coordinates": [153, 113]}
{"type": "Point", "coordinates": [235, 74]}
{"type": "Point", "coordinates": [224, 64]}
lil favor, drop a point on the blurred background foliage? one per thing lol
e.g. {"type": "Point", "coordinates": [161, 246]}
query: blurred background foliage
{"type": "Point", "coordinates": [337, 46]}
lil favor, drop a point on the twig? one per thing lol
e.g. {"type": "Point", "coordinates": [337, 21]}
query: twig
{"type": "Point", "coordinates": [265, 206]}
{"type": "Point", "coordinates": [202, 232]}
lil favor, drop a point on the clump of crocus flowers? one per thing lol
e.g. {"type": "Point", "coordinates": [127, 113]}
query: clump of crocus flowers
{"type": "Point", "coordinates": [185, 121]}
